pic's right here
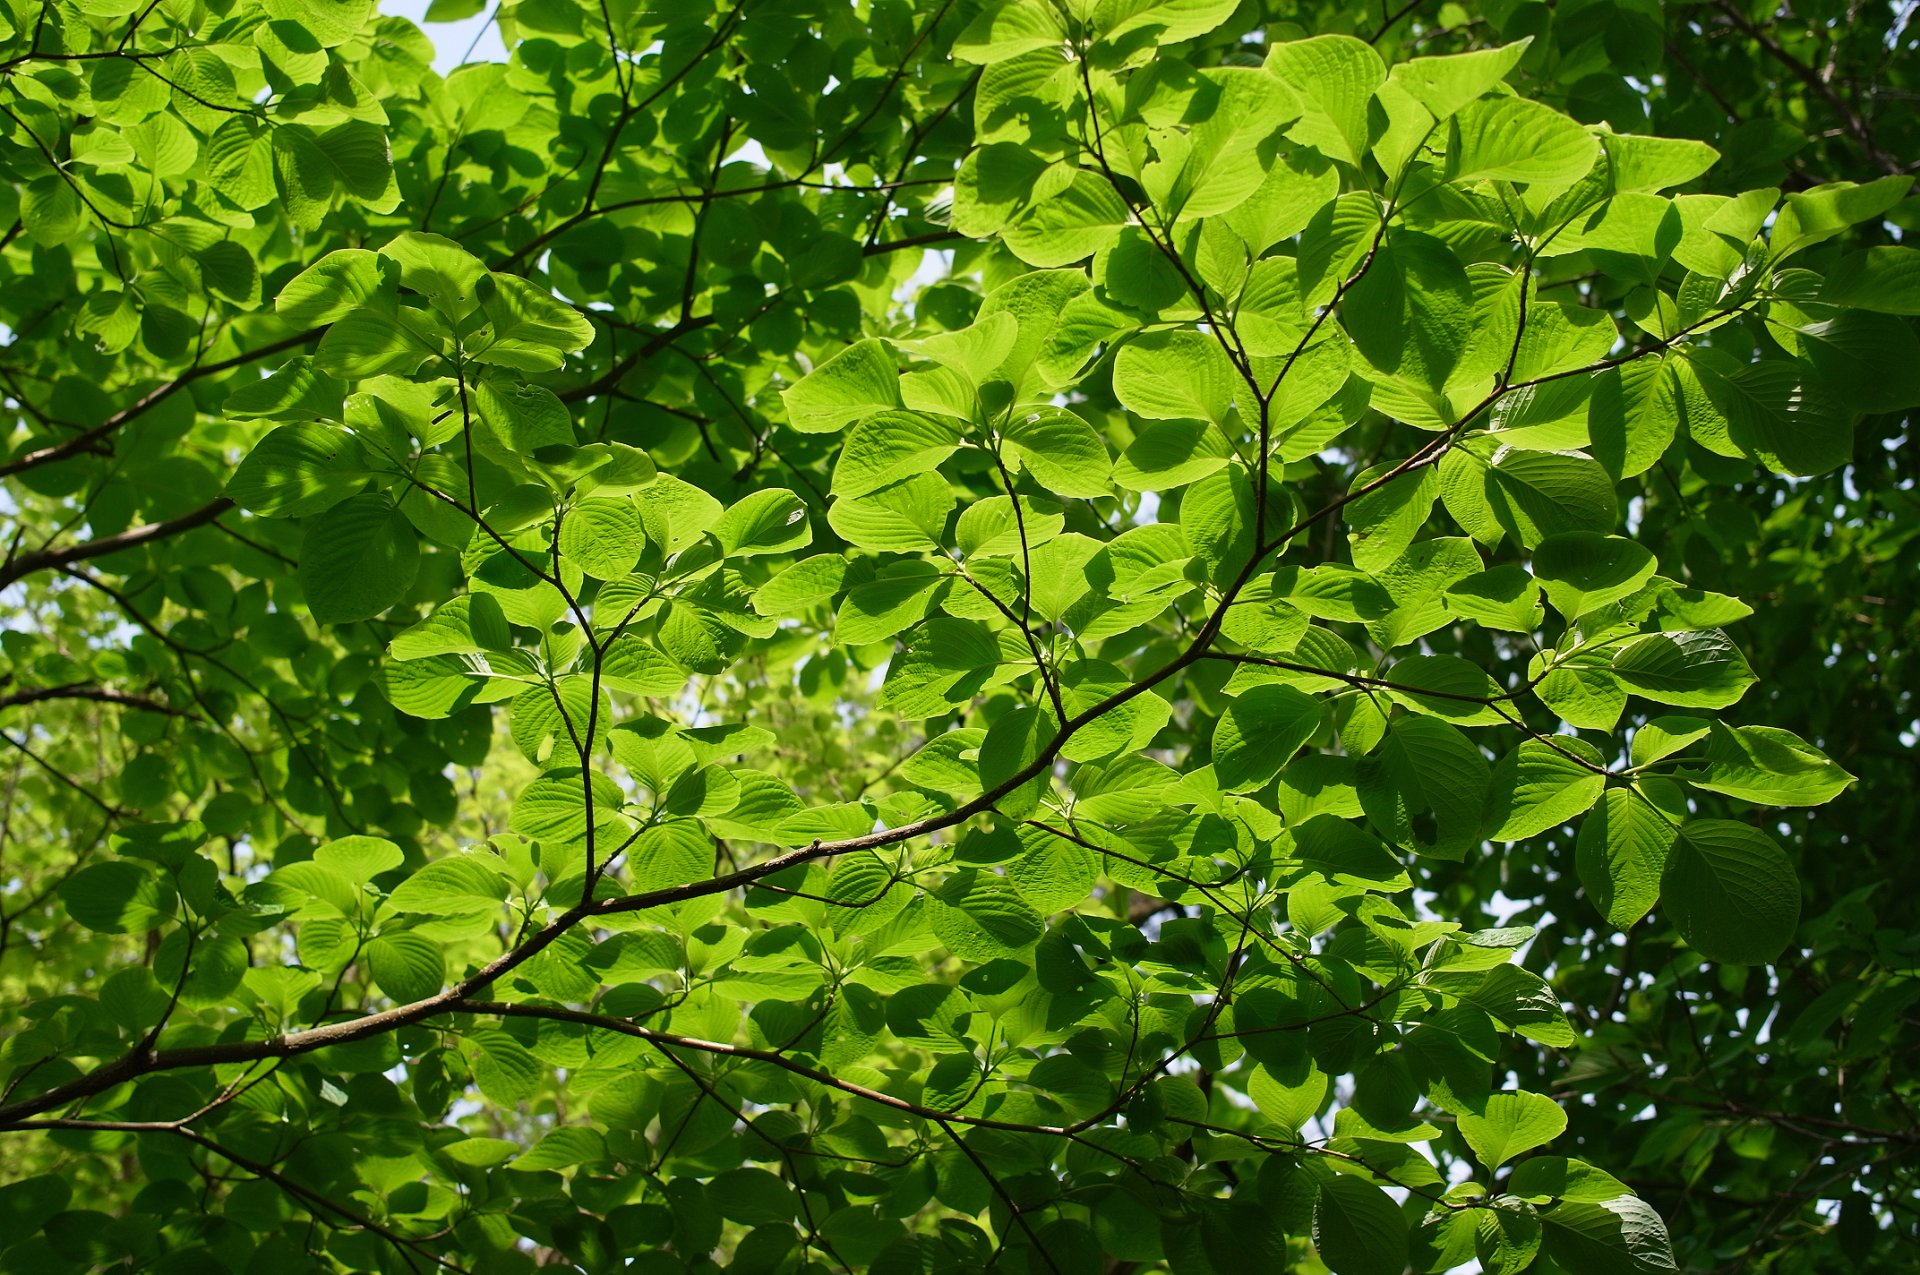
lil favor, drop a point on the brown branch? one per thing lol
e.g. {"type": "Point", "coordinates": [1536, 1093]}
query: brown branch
{"type": "Point", "coordinates": [1391, 20]}
{"type": "Point", "coordinates": [99, 694]}
{"type": "Point", "coordinates": [112, 811]}
{"type": "Point", "coordinates": [92, 439]}
{"type": "Point", "coordinates": [615, 374]}
{"type": "Point", "coordinates": [748, 1053]}
{"type": "Point", "coordinates": [49, 559]}
{"type": "Point", "coordinates": [289, 1044]}
{"type": "Point", "coordinates": [1851, 118]}
{"type": "Point", "coordinates": [912, 241]}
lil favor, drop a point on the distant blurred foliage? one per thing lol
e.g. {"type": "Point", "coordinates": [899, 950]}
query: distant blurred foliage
{"type": "Point", "coordinates": [948, 635]}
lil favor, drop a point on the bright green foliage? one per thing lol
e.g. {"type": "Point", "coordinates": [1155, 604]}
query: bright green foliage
{"type": "Point", "coordinates": [937, 637]}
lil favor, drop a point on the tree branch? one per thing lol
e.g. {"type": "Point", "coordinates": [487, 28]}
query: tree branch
{"type": "Point", "coordinates": [93, 439]}
{"type": "Point", "coordinates": [99, 694]}
{"type": "Point", "coordinates": [48, 559]}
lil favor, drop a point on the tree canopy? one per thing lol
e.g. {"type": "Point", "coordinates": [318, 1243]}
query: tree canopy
{"type": "Point", "coordinates": [1050, 636]}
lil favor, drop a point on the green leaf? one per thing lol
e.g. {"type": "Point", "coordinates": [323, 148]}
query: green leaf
{"type": "Point", "coordinates": [1345, 855]}
{"type": "Point", "coordinates": [1510, 1123]}
{"type": "Point", "coordinates": [1217, 516]}
{"type": "Point", "coordinates": [359, 858]}
{"type": "Point", "coordinates": [1357, 1228]}
{"type": "Point", "coordinates": [362, 161]}
{"type": "Point", "coordinates": [618, 470]}
{"type": "Point", "coordinates": [357, 559]}
{"type": "Point", "coordinates": [1298, 186]}
{"type": "Point", "coordinates": [1546, 1178]}
{"type": "Point", "coordinates": [561, 1148]}
{"type": "Point", "coordinates": [884, 449]}
{"type": "Point", "coordinates": [522, 421]}
{"type": "Point", "coordinates": [1447, 686]}
{"type": "Point", "coordinates": [1506, 1237]}
{"type": "Point", "coordinates": [369, 341]}
{"type": "Point", "coordinates": [908, 517]}
{"type": "Point", "coordinates": [1381, 523]}
{"type": "Point", "coordinates": [331, 22]}
{"type": "Point", "coordinates": [1773, 415]}
{"type": "Point", "coordinates": [1623, 847]}
{"type": "Point", "coordinates": [527, 329]}
{"type": "Point", "coordinates": [803, 585]}
{"type": "Point", "coordinates": [1170, 21]}
{"type": "Point", "coordinates": [1334, 77]}
{"type": "Point", "coordinates": [117, 898]}
{"type": "Point", "coordinates": [463, 884]}
{"type": "Point", "coordinates": [945, 662]}
{"type": "Point", "coordinates": [857, 382]}
{"type": "Point", "coordinates": [1069, 225]}
{"type": "Point", "coordinates": [477, 1152]}
{"type": "Point", "coordinates": [50, 210]}
{"type": "Point", "coordinates": [1445, 84]}
{"type": "Point", "coordinates": [1655, 163]}
{"type": "Point", "coordinates": [603, 537]}
{"type": "Point", "coordinates": [1512, 139]}
{"type": "Point", "coordinates": [27, 1204]}
{"type": "Point", "coordinates": [754, 1197]}
{"type": "Point", "coordinates": [1006, 31]}
{"type": "Point", "coordinates": [1665, 736]}
{"type": "Point", "coordinates": [297, 389]}
{"type": "Point", "coordinates": [1169, 454]}
{"type": "Point", "coordinates": [502, 1067]}
{"type": "Point", "coordinates": [1809, 216]}
{"type": "Point", "coordinates": [1633, 416]}
{"type": "Point", "coordinates": [1521, 999]}
{"type": "Point", "coordinates": [1541, 785]}
{"type": "Point", "coordinates": [632, 666]}
{"type": "Point", "coordinates": [947, 762]}
{"type": "Point", "coordinates": [1174, 376]}
{"type": "Point", "coordinates": [1621, 1236]}
{"type": "Point", "coordinates": [305, 175]}
{"type": "Point", "coordinates": [1062, 452]}
{"type": "Point", "coordinates": [1412, 312]}
{"type": "Point", "coordinates": [974, 351]}
{"type": "Point", "coordinates": [1426, 785]}
{"type": "Point", "coordinates": [1583, 571]}
{"type": "Point", "coordinates": [1014, 743]}
{"type": "Point", "coordinates": [298, 470]}
{"type": "Point", "coordinates": [406, 965]}
{"type": "Point", "coordinates": [769, 521]}
{"type": "Point", "coordinates": [1535, 495]}
{"type": "Point", "coordinates": [1769, 766]}
{"type": "Point", "coordinates": [434, 686]}
{"type": "Point", "coordinates": [553, 807]}
{"type": "Point", "coordinates": [980, 918]}
{"type": "Point", "coordinates": [678, 851]}
{"type": "Point", "coordinates": [327, 290]}
{"type": "Point", "coordinates": [1500, 598]}
{"type": "Point", "coordinates": [1859, 362]}
{"type": "Point", "coordinates": [1700, 669]}
{"type": "Point", "coordinates": [1260, 732]}
{"type": "Point", "coordinates": [1731, 892]}
{"type": "Point", "coordinates": [881, 608]}
{"type": "Point", "coordinates": [1886, 279]}
{"type": "Point", "coordinates": [1290, 1096]}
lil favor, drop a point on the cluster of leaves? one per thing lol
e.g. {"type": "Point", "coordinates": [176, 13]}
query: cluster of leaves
{"type": "Point", "coordinates": [596, 698]}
